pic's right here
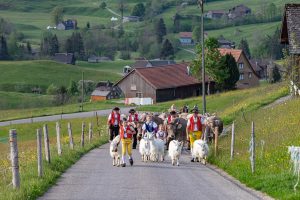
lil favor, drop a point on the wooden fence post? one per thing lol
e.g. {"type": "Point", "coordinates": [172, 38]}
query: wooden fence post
{"type": "Point", "coordinates": [90, 132]}
{"type": "Point", "coordinates": [82, 134]}
{"type": "Point", "coordinates": [14, 158]}
{"type": "Point", "coordinates": [98, 127]}
{"type": "Point", "coordinates": [39, 152]}
{"type": "Point", "coordinates": [216, 132]}
{"type": "Point", "coordinates": [252, 148]}
{"type": "Point", "coordinates": [46, 140]}
{"type": "Point", "coordinates": [232, 141]}
{"type": "Point", "coordinates": [70, 135]}
{"type": "Point", "coordinates": [59, 151]}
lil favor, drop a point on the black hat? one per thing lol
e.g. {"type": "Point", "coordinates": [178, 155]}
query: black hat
{"type": "Point", "coordinates": [173, 112]}
{"type": "Point", "coordinates": [116, 108]}
{"type": "Point", "coordinates": [131, 110]}
{"type": "Point", "coordinates": [124, 119]}
{"type": "Point", "coordinates": [195, 109]}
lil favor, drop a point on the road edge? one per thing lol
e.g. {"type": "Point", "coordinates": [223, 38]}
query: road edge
{"type": "Point", "coordinates": [236, 182]}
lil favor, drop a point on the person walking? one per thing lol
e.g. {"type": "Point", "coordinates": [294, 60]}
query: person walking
{"type": "Point", "coordinates": [114, 123]}
{"type": "Point", "coordinates": [126, 134]}
{"type": "Point", "coordinates": [133, 117]}
{"type": "Point", "coordinates": [194, 128]}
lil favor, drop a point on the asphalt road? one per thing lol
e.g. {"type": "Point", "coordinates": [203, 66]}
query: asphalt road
{"type": "Point", "coordinates": [63, 116]}
{"type": "Point", "coordinates": [94, 177]}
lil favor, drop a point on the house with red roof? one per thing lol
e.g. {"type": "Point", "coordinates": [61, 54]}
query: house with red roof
{"type": "Point", "coordinates": [248, 75]}
{"type": "Point", "coordinates": [186, 38]}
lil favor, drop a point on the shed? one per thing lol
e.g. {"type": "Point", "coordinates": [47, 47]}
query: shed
{"type": "Point", "coordinates": [105, 90]}
{"type": "Point", "coordinates": [66, 58]}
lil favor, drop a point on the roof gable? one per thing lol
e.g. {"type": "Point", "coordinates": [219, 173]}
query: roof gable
{"type": "Point", "coordinates": [186, 34]}
{"type": "Point", "coordinates": [236, 53]}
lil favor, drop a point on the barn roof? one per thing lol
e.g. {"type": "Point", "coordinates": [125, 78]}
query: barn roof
{"type": "Point", "coordinates": [290, 31]}
{"type": "Point", "coordinates": [66, 58]}
{"type": "Point", "coordinates": [163, 77]}
{"type": "Point", "coordinates": [100, 93]}
{"type": "Point", "coordinates": [186, 34]}
{"type": "Point", "coordinates": [153, 63]}
{"type": "Point", "coordinates": [236, 53]}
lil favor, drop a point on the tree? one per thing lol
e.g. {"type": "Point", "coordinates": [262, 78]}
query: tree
{"type": "Point", "coordinates": [12, 46]}
{"type": "Point", "coordinates": [88, 25]}
{"type": "Point", "coordinates": [176, 23]}
{"type": "Point", "coordinates": [213, 62]}
{"type": "Point", "coordinates": [197, 34]}
{"type": "Point", "coordinates": [57, 15]}
{"type": "Point", "coordinates": [74, 44]}
{"type": "Point", "coordinates": [103, 5]}
{"type": "Point", "coordinates": [138, 10]}
{"type": "Point", "coordinates": [167, 50]}
{"type": "Point", "coordinates": [271, 11]}
{"type": "Point", "coordinates": [160, 29]}
{"type": "Point", "coordinates": [230, 64]}
{"type": "Point", "coordinates": [54, 46]}
{"type": "Point", "coordinates": [245, 47]}
{"type": "Point", "coordinates": [28, 47]}
{"type": "Point", "coordinates": [73, 88]}
{"type": "Point", "coordinates": [3, 49]}
{"type": "Point", "coordinates": [275, 75]}
{"type": "Point", "coordinates": [49, 44]}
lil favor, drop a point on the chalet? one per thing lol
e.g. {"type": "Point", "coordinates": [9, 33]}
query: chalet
{"type": "Point", "coordinates": [161, 83]}
{"type": "Point", "coordinates": [260, 66]}
{"type": "Point", "coordinates": [66, 58]}
{"type": "Point", "coordinates": [224, 43]}
{"type": "Point", "coordinates": [105, 90]}
{"type": "Point", "coordinates": [67, 25]}
{"type": "Point", "coordinates": [216, 14]}
{"type": "Point", "coordinates": [239, 11]}
{"type": "Point", "coordinates": [131, 19]}
{"type": "Point", "coordinates": [290, 31]}
{"type": "Point", "coordinates": [186, 38]}
{"type": "Point", "coordinates": [248, 76]}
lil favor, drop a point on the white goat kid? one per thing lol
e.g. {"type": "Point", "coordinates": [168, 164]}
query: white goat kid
{"type": "Point", "coordinates": [115, 150]}
{"type": "Point", "coordinates": [144, 149]}
{"type": "Point", "coordinates": [200, 151]}
{"type": "Point", "coordinates": [175, 148]}
{"type": "Point", "coordinates": [157, 148]}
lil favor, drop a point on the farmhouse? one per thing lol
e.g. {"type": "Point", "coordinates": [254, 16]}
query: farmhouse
{"type": "Point", "coordinates": [131, 19]}
{"type": "Point", "coordinates": [186, 38]}
{"type": "Point", "coordinates": [260, 66]}
{"type": "Point", "coordinates": [161, 83]}
{"type": "Point", "coordinates": [216, 14]}
{"type": "Point", "coordinates": [248, 76]}
{"type": "Point", "coordinates": [66, 58]}
{"type": "Point", "coordinates": [105, 90]}
{"type": "Point", "coordinates": [224, 43]}
{"type": "Point", "coordinates": [238, 11]}
{"type": "Point", "coordinates": [67, 25]}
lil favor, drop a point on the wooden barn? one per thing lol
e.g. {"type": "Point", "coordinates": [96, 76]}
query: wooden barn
{"type": "Point", "coordinates": [105, 90]}
{"type": "Point", "coordinates": [162, 83]}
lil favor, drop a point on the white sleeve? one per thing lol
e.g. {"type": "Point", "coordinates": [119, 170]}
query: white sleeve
{"type": "Point", "coordinates": [188, 123]}
{"type": "Point", "coordinates": [154, 125]}
{"type": "Point", "coordinates": [144, 127]}
{"type": "Point", "coordinates": [109, 117]}
{"type": "Point", "coordinates": [202, 120]}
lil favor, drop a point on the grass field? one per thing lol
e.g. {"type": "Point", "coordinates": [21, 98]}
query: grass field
{"type": "Point", "coordinates": [44, 73]}
{"type": "Point", "coordinates": [110, 66]}
{"type": "Point", "coordinates": [31, 185]}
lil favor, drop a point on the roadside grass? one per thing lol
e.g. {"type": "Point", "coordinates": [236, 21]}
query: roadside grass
{"type": "Point", "coordinates": [16, 100]}
{"type": "Point", "coordinates": [31, 185]}
{"type": "Point", "coordinates": [11, 114]}
{"type": "Point", "coordinates": [228, 105]}
{"type": "Point", "coordinates": [44, 72]}
{"type": "Point", "coordinates": [278, 128]}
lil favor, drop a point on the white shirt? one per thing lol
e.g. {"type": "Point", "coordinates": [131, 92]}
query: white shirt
{"type": "Point", "coordinates": [195, 123]}
{"type": "Point", "coordinates": [116, 118]}
{"type": "Point", "coordinates": [154, 125]}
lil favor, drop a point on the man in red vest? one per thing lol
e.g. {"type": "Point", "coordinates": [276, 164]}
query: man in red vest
{"type": "Point", "coordinates": [134, 117]}
{"type": "Point", "coordinates": [194, 128]}
{"type": "Point", "coordinates": [114, 123]}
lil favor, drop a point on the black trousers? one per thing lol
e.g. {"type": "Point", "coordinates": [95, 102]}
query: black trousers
{"type": "Point", "coordinates": [134, 139]}
{"type": "Point", "coordinates": [113, 132]}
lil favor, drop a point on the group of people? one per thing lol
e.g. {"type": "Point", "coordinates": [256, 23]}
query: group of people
{"type": "Point", "coordinates": [127, 128]}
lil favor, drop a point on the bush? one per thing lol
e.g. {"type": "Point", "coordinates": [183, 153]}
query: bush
{"type": "Point", "coordinates": [125, 55]}
{"type": "Point", "coordinates": [103, 5]}
{"type": "Point", "coordinates": [52, 89]}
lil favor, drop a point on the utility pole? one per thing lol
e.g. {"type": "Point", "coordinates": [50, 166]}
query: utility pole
{"type": "Point", "coordinates": [122, 13]}
{"type": "Point", "coordinates": [201, 4]}
{"type": "Point", "coordinates": [82, 91]}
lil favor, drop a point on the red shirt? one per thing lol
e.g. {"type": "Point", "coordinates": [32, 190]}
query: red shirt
{"type": "Point", "coordinates": [113, 118]}
{"type": "Point", "coordinates": [192, 124]}
{"type": "Point", "coordinates": [124, 132]}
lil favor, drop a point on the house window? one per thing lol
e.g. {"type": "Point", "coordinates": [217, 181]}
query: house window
{"type": "Point", "coordinates": [241, 76]}
{"type": "Point", "coordinates": [241, 65]}
{"type": "Point", "coordinates": [250, 75]}
{"type": "Point", "coordinates": [139, 95]}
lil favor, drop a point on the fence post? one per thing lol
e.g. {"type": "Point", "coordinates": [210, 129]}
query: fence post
{"type": "Point", "coordinates": [82, 134]}
{"type": "Point", "coordinates": [58, 138]}
{"type": "Point", "coordinates": [252, 148]}
{"type": "Point", "coordinates": [70, 135]}
{"type": "Point", "coordinates": [46, 140]}
{"type": "Point", "coordinates": [14, 158]}
{"type": "Point", "coordinates": [232, 141]}
{"type": "Point", "coordinates": [98, 128]}
{"type": "Point", "coordinates": [216, 140]}
{"type": "Point", "coordinates": [39, 152]}
{"type": "Point", "coordinates": [90, 131]}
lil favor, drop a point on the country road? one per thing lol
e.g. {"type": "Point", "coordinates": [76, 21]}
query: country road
{"type": "Point", "coordinates": [93, 177]}
{"type": "Point", "coordinates": [63, 116]}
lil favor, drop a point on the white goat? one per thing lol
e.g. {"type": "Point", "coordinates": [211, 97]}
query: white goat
{"type": "Point", "coordinates": [157, 148]}
{"type": "Point", "coordinates": [200, 151]}
{"type": "Point", "coordinates": [175, 148]}
{"type": "Point", "coordinates": [144, 149]}
{"type": "Point", "coordinates": [115, 150]}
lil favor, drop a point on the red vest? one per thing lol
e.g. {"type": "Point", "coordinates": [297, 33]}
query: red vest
{"type": "Point", "coordinates": [122, 133]}
{"type": "Point", "coordinates": [169, 119]}
{"type": "Point", "coordinates": [112, 121]}
{"type": "Point", "coordinates": [192, 124]}
{"type": "Point", "coordinates": [136, 118]}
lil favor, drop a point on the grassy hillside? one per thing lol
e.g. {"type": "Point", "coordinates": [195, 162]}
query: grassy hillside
{"type": "Point", "coordinates": [43, 73]}
{"type": "Point", "coordinates": [277, 128]}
